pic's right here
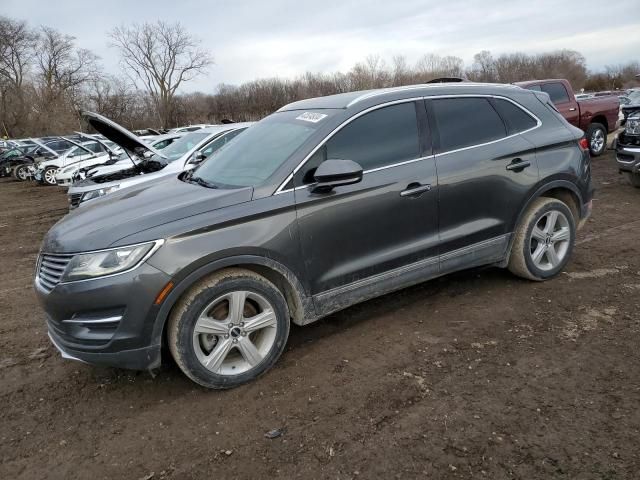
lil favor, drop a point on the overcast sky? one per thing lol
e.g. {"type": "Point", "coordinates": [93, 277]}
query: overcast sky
{"type": "Point", "coordinates": [266, 38]}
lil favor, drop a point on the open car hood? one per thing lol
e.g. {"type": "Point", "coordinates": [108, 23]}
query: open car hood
{"type": "Point", "coordinates": [118, 134]}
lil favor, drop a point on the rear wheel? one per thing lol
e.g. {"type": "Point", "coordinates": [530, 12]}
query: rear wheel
{"type": "Point", "coordinates": [21, 172]}
{"type": "Point", "coordinates": [597, 137]}
{"type": "Point", "coordinates": [634, 179]}
{"type": "Point", "coordinates": [544, 240]}
{"type": "Point", "coordinates": [228, 329]}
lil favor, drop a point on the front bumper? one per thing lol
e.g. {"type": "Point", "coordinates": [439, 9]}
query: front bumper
{"type": "Point", "coordinates": [106, 321]}
{"type": "Point", "coordinates": [628, 157]}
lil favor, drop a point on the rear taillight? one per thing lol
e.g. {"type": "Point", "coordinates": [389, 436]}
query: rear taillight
{"type": "Point", "coordinates": [584, 145]}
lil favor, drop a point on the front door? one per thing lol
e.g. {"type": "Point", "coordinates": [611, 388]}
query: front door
{"type": "Point", "coordinates": [383, 229]}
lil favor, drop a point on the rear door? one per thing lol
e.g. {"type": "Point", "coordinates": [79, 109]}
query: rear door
{"type": "Point", "coordinates": [381, 224]}
{"type": "Point", "coordinates": [485, 169]}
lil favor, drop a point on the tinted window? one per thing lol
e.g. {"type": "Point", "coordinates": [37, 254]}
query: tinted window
{"type": "Point", "coordinates": [556, 91]}
{"type": "Point", "coordinates": [463, 122]}
{"type": "Point", "coordinates": [382, 137]}
{"type": "Point", "coordinates": [517, 120]}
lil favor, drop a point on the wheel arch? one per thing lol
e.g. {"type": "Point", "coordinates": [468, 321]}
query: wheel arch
{"type": "Point", "coordinates": [601, 119]}
{"type": "Point", "coordinates": [562, 190]}
{"type": "Point", "coordinates": [300, 305]}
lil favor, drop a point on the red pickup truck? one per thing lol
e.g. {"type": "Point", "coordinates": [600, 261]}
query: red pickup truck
{"type": "Point", "coordinates": [596, 116]}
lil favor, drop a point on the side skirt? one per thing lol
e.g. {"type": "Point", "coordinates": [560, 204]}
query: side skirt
{"type": "Point", "coordinates": [492, 251]}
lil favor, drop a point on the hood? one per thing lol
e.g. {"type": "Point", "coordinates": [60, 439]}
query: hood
{"type": "Point", "coordinates": [118, 134]}
{"type": "Point", "coordinates": [102, 222]}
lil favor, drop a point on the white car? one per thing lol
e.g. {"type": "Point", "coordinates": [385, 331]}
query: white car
{"type": "Point", "coordinates": [184, 154]}
{"type": "Point", "coordinates": [123, 161]}
{"type": "Point", "coordinates": [190, 128]}
{"type": "Point", "coordinates": [80, 155]}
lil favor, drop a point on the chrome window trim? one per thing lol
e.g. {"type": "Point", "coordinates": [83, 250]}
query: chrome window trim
{"type": "Point", "coordinates": [288, 178]}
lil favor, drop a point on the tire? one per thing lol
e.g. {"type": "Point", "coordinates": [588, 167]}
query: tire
{"type": "Point", "coordinates": [211, 300]}
{"type": "Point", "coordinates": [21, 173]}
{"type": "Point", "coordinates": [531, 253]}
{"type": "Point", "coordinates": [49, 176]}
{"type": "Point", "coordinates": [597, 137]}
{"type": "Point", "coordinates": [634, 179]}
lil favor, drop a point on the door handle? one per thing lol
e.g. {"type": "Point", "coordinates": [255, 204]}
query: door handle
{"type": "Point", "coordinates": [572, 109]}
{"type": "Point", "coordinates": [517, 165]}
{"type": "Point", "coordinates": [415, 189]}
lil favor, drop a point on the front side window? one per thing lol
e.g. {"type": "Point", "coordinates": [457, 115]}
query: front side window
{"type": "Point", "coordinates": [556, 91]}
{"type": "Point", "coordinates": [464, 122]}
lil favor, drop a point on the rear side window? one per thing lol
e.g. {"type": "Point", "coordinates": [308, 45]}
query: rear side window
{"type": "Point", "coordinates": [464, 122]}
{"type": "Point", "coordinates": [516, 118]}
{"type": "Point", "coordinates": [379, 138]}
{"type": "Point", "coordinates": [556, 91]}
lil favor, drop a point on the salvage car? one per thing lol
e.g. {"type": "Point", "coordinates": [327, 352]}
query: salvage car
{"type": "Point", "coordinates": [113, 163]}
{"type": "Point", "coordinates": [40, 150]}
{"type": "Point", "coordinates": [80, 155]}
{"type": "Point", "coordinates": [183, 154]}
{"type": "Point", "coordinates": [631, 104]}
{"type": "Point", "coordinates": [597, 116]}
{"type": "Point", "coordinates": [628, 149]}
{"type": "Point", "coordinates": [328, 202]}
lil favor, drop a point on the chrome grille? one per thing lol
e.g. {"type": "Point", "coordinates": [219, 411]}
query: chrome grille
{"type": "Point", "coordinates": [74, 199]}
{"type": "Point", "coordinates": [50, 269]}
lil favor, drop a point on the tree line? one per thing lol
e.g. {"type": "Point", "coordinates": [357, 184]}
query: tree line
{"type": "Point", "coordinates": [46, 79]}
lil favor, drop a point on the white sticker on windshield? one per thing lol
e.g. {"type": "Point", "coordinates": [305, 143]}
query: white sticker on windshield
{"type": "Point", "coordinates": [311, 117]}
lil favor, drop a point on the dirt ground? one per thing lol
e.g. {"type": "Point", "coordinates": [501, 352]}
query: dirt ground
{"type": "Point", "coordinates": [475, 375]}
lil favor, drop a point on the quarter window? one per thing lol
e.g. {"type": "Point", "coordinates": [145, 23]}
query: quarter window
{"type": "Point", "coordinates": [556, 91]}
{"type": "Point", "coordinates": [463, 122]}
{"type": "Point", "coordinates": [516, 118]}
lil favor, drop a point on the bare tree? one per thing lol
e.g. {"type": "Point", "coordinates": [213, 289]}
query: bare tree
{"type": "Point", "coordinates": [161, 56]}
{"type": "Point", "coordinates": [16, 50]}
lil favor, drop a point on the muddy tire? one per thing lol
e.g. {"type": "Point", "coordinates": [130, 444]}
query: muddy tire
{"type": "Point", "coordinates": [544, 240]}
{"type": "Point", "coordinates": [228, 329]}
{"type": "Point", "coordinates": [597, 137]}
{"type": "Point", "coordinates": [634, 179]}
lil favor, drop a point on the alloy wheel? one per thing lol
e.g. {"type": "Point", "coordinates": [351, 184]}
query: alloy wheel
{"type": "Point", "coordinates": [549, 242]}
{"type": "Point", "coordinates": [50, 176]}
{"type": "Point", "coordinates": [235, 332]}
{"type": "Point", "coordinates": [597, 140]}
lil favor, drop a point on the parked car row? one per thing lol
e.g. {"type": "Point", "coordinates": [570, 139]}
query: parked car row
{"type": "Point", "coordinates": [211, 247]}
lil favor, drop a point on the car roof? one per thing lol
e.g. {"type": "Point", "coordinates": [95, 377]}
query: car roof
{"type": "Point", "coordinates": [346, 100]}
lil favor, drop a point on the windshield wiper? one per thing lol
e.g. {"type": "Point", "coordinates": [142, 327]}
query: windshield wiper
{"type": "Point", "coordinates": [200, 181]}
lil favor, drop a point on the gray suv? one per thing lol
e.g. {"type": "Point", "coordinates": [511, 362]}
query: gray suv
{"type": "Point", "coordinates": [326, 203]}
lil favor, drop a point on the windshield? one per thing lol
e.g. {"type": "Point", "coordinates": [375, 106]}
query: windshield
{"type": "Point", "coordinates": [181, 146]}
{"type": "Point", "coordinates": [255, 155]}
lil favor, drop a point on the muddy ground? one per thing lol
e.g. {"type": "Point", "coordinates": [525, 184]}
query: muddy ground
{"type": "Point", "coordinates": [475, 375]}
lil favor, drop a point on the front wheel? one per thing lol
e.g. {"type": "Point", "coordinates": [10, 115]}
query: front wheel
{"type": "Point", "coordinates": [49, 175]}
{"type": "Point", "coordinates": [597, 137]}
{"type": "Point", "coordinates": [228, 329]}
{"type": "Point", "coordinates": [544, 240]}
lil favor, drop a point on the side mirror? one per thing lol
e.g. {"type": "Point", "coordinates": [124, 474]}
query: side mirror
{"type": "Point", "coordinates": [197, 157]}
{"type": "Point", "coordinates": [333, 173]}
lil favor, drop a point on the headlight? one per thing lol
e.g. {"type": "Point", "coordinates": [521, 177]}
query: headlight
{"type": "Point", "coordinates": [632, 127]}
{"type": "Point", "coordinates": [107, 262]}
{"type": "Point", "coordinates": [100, 192]}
